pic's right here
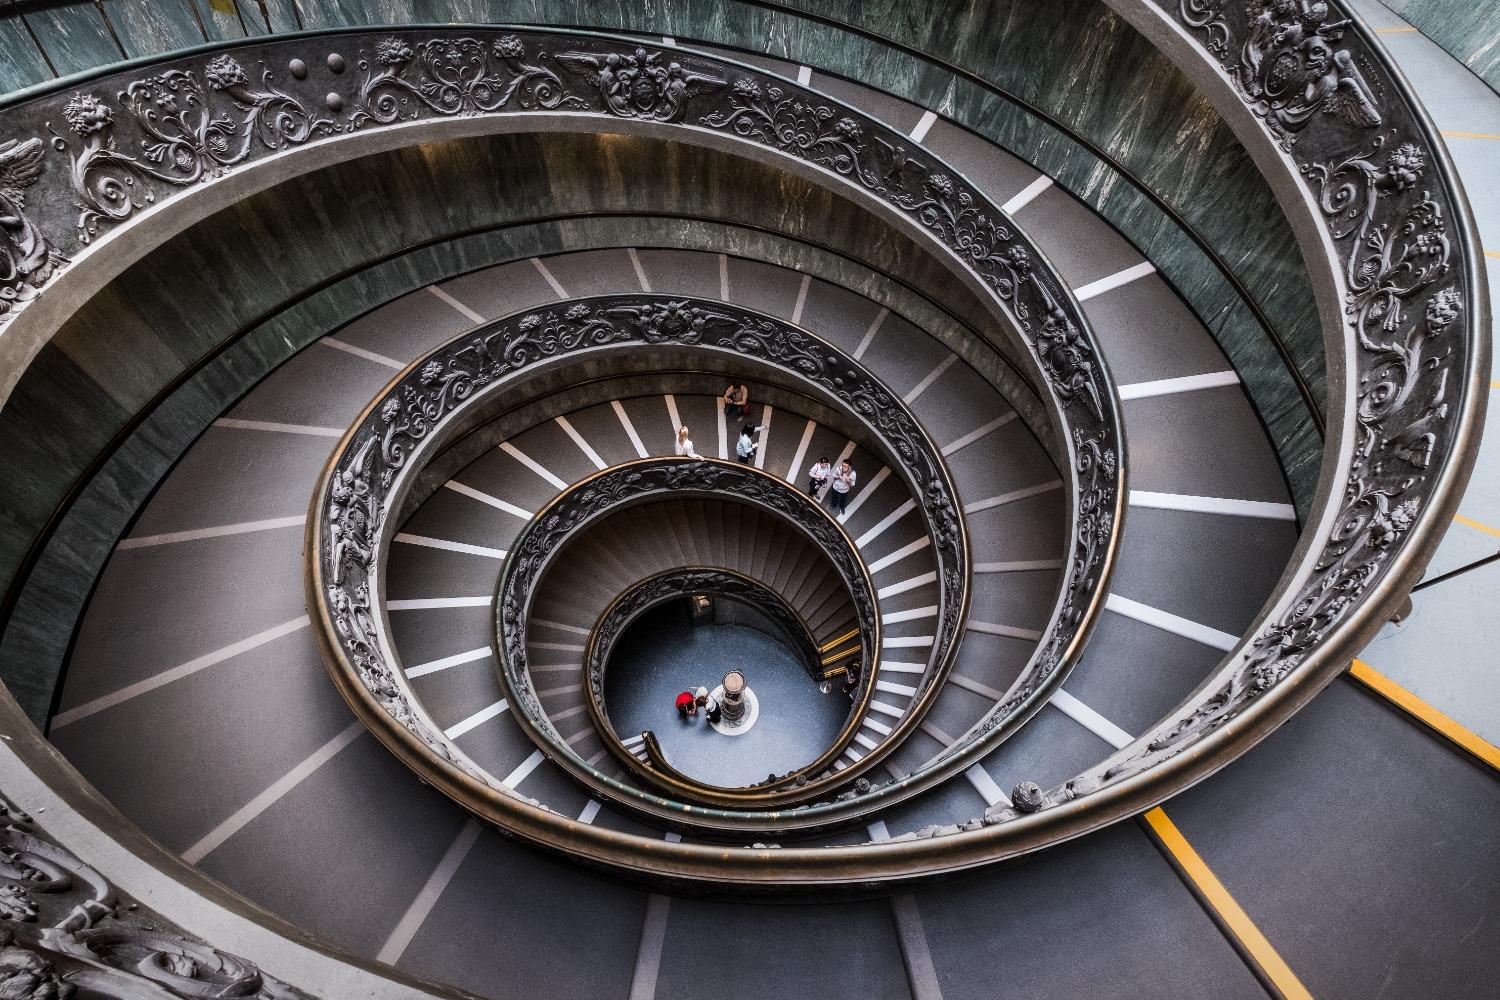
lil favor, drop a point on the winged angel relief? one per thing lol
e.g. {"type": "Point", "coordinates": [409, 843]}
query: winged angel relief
{"type": "Point", "coordinates": [27, 260]}
{"type": "Point", "coordinates": [1291, 68]}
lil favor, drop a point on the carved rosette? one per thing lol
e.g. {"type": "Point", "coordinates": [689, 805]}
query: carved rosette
{"type": "Point", "coordinates": [66, 931]}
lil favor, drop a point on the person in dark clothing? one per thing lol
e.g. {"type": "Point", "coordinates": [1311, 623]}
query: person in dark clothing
{"type": "Point", "coordinates": [737, 401]}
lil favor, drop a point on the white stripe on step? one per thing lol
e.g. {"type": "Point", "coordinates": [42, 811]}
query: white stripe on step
{"type": "Point", "coordinates": [479, 718]}
{"type": "Point", "coordinates": [1171, 386]}
{"type": "Point", "coordinates": [901, 553]}
{"type": "Point", "coordinates": [1026, 195]}
{"type": "Point", "coordinates": [583, 446]}
{"type": "Point", "coordinates": [1085, 292]}
{"type": "Point", "coordinates": [1008, 631]}
{"type": "Point", "coordinates": [266, 425]}
{"type": "Point", "coordinates": [924, 125]}
{"type": "Point", "coordinates": [485, 498]}
{"type": "Point", "coordinates": [462, 309]}
{"type": "Point", "coordinates": [635, 439]}
{"type": "Point", "coordinates": [434, 603]}
{"type": "Point", "coordinates": [457, 659]}
{"type": "Point", "coordinates": [885, 522]}
{"type": "Point", "coordinates": [1013, 496]}
{"type": "Point", "coordinates": [532, 464]}
{"type": "Point", "coordinates": [640, 272]}
{"type": "Point", "coordinates": [443, 543]}
{"type": "Point", "coordinates": [360, 352]}
{"type": "Point", "coordinates": [194, 534]}
{"type": "Point", "coordinates": [929, 379]}
{"type": "Point", "coordinates": [1168, 622]}
{"type": "Point", "coordinates": [549, 277]}
{"type": "Point", "coordinates": [1214, 505]}
{"type": "Point", "coordinates": [1091, 720]}
{"type": "Point", "coordinates": [178, 672]}
{"type": "Point", "coordinates": [875, 325]}
{"type": "Point", "coordinates": [978, 433]}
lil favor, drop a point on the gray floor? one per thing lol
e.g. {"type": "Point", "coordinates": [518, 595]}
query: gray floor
{"type": "Point", "coordinates": [658, 658]}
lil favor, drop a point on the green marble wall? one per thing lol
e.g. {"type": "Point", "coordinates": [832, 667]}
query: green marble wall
{"type": "Point", "coordinates": [1468, 29]}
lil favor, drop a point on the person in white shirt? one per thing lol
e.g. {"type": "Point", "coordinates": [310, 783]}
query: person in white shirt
{"type": "Point", "coordinates": [744, 448]}
{"type": "Point", "coordinates": [685, 443]}
{"type": "Point", "coordinates": [843, 482]}
{"type": "Point", "coordinates": [817, 476]}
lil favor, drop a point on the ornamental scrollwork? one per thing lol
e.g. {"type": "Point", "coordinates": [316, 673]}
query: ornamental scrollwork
{"type": "Point", "coordinates": [455, 76]}
{"type": "Point", "coordinates": [1403, 299]}
{"type": "Point", "coordinates": [191, 127]}
{"type": "Point", "coordinates": [27, 258]}
{"type": "Point", "coordinates": [66, 931]}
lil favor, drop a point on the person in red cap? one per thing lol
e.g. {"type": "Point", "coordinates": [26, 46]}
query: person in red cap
{"type": "Point", "coordinates": [687, 704]}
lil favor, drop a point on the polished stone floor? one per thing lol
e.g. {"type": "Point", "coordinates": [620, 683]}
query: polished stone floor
{"type": "Point", "coordinates": [662, 655]}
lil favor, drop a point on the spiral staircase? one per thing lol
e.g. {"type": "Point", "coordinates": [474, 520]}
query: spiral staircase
{"type": "Point", "coordinates": [345, 358]}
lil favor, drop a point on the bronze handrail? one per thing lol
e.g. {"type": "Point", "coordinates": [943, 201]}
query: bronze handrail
{"type": "Point", "coordinates": [582, 506]}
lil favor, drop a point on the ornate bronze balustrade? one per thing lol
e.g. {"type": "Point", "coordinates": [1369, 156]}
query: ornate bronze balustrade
{"type": "Point", "coordinates": [648, 480]}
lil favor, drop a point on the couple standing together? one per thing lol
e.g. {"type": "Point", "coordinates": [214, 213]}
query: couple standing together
{"type": "Point", "coordinates": [837, 482]}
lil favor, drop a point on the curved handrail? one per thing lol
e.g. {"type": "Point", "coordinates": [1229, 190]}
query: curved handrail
{"type": "Point", "coordinates": [375, 463]}
{"type": "Point", "coordinates": [644, 480]}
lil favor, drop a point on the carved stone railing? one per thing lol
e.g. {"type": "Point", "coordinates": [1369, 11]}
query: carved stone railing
{"type": "Point", "coordinates": [67, 929]}
{"type": "Point", "coordinates": [583, 506]}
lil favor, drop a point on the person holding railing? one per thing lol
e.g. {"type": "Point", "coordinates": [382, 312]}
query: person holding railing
{"type": "Point", "coordinates": [744, 448]}
{"type": "Point", "coordinates": [685, 443]}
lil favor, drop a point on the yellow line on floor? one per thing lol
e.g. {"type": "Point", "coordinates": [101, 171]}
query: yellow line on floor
{"type": "Point", "coordinates": [1425, 713]}
{"type": "Point", "coordinates": [1467, 135]}
{"type": "Point", "coordinates": [1469, 522]}
{"type": "Point", "coordinates": [1493, 254]}
{"type": "Point", "coordinates": [1395, 31]}
{"type": "Point", "coordinates": [1230, 915]}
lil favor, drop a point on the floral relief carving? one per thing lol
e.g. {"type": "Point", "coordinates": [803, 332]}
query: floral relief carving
{"type": "Point", "coordinates": [1403, 300]}
{"type": "Point", "coordinates": [27, 258]}
{"type": "Point", "coordinates": [455, 76]}
{"type": "Point", "coordinates": [65, 931]}
{"type": "Point", "coordinates": [190, 127]}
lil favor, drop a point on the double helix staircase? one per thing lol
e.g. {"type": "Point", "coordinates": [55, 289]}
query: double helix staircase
{"type": "Point", "coordinates": [197, 698]}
